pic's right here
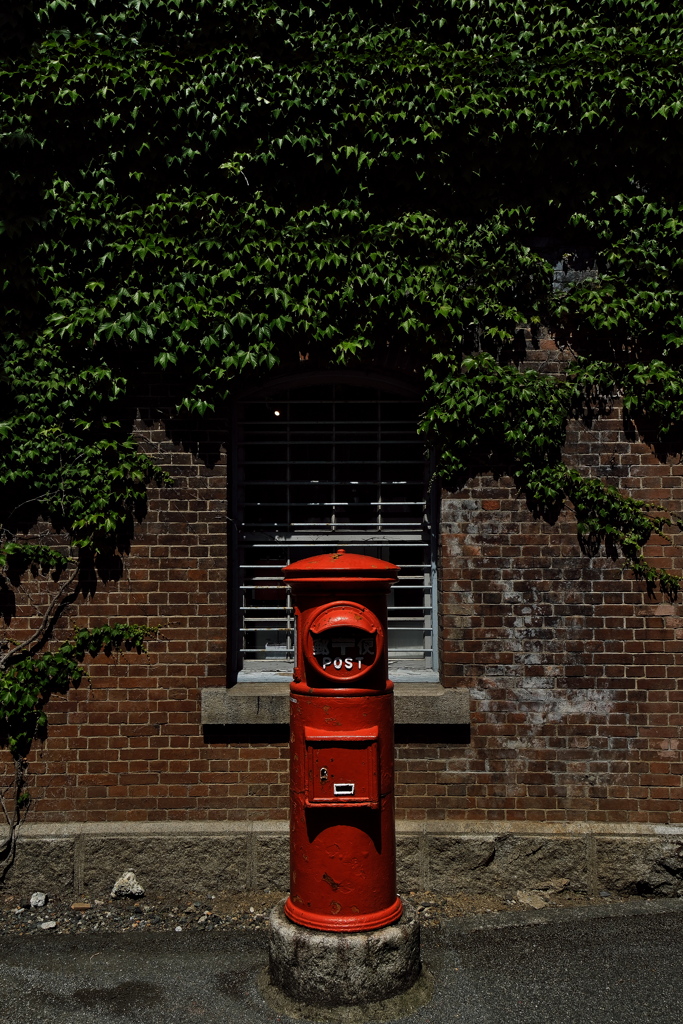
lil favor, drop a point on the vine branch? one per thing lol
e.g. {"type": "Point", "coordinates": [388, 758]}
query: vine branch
{"type": "Point", "coordinates": [46, 625]}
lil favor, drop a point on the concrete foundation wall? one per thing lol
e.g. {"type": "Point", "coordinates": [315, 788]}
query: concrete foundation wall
{"type": "Point", "coordinates": [448, 857]}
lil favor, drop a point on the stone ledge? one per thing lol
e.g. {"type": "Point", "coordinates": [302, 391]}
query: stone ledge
{"type": "Point", "coordinates": [445, 856]}
{"type": "Point", "coordinates": [252, 703]}
{"type": "Point", "coordinates": [461, 827]}
{"type": "Point", "coordinates": [431, 704]}
{"type": "Point", "coordinates": [279, 675]}
{"type": "Point", "coordinates": [267, 703]}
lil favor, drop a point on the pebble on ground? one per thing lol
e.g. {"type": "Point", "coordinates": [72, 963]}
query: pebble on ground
{"type": "Point", "coordinates": [64, 914]}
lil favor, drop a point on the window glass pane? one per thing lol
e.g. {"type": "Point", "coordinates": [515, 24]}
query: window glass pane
{"type": "Point", "coordinates": [325, 467]}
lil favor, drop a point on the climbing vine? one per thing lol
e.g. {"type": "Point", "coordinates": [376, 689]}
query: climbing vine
{"type": "Point", "coordinates": [29, 674]}
{"type": "Point", "coordinates": [201, 190]}
{"type": "Point", "coordinates": [28, 679]}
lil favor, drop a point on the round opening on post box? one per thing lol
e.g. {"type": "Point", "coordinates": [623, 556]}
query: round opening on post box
{"type": "Point", "coordinates": [344, 642]}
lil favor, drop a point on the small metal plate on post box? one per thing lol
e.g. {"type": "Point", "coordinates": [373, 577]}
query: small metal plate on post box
{"type": "Point", "coordinates": [342, 769]}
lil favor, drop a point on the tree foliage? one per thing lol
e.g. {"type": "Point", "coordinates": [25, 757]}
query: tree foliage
{"type": "Point", "coordinates": [204, 189]}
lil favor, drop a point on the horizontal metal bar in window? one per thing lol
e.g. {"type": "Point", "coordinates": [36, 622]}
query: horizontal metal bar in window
{"type": "Point", "coordinates": [415, 530]}
{"type": "Point", "coordinates": [407, 609]}
{"type": "Point", "coordinates": [338, 524]}
{"type": "Point", "coordinates": [276, 459]}
{"type": "Point", "coordinates": [272, 573]}
{"type": "Point", "coordinates": [270, 612]}
{"type": "Point", "coordinates": [275, 656]}
{"type": "Point", "coordinates": [396, 542]}
{"type": "Point", "coordinates": [421, 566]}
{"type": "Point", "coordinates": [365, 539]}
{"type": "Point", "coordinates": [401, 654]}
{"type": "Point", "coordinates": [272, 552]}
{"type": "Point", "coordinates": [331, 504]}
{"type": "Point", "coordinates": [395, 610]}
{"type": "Point", "coordinates": [263, 629]}
{"type": "Point", "coordinates": [328, 520]}
{"type": "Point", "coordinates": [327, 534]}
{"type": "Point", "coordinates": [278, 623]}
{"type": "Point", "coordinates": [410, 629]}
{"type": "Point", "coordinates": [317, 525]}
{"type": "Point", "coordinates": [402, 651]}
{"type": "Point", "coordinates": [275, 585]}
{"type": "Point", "coordinates": [379, 462]}
{"type": "Point", "coordinates": [373, 502]}
{"type": "Point", "coordinates": [417, 617]}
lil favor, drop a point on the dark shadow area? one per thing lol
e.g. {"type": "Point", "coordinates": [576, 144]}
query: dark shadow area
{"type": "Point", "coordinates": [225, 734]}
{"type": "Point", "coordinates": [441, 734]}
{"type": "Point", "coordinates": [104, 567]}
{"type": "Point", "coordinates": [109, 567]}
{"type": "Point", "coordinates": [278, 734]}
{"type": "Point", "coordinates": [204, 437]}
{"type": "Point", "coordinates": [123, 998]}
{"type": "Point", "coordinates": [8, 603]}
{"type": "Point", "coordinates": [646, 429]}
{"type": "Point", "coordinates": [368, 821]}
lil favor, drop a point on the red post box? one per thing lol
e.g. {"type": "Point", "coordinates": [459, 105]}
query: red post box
{"type": "Point", "coordinates": [343, 847]}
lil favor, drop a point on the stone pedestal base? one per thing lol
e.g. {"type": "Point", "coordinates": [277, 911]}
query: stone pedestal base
{"type": "Point", "coordinates": [378, 974]}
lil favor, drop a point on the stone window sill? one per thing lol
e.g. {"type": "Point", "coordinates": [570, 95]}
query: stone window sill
{"type": "Point", "coordinates": [263, 699]}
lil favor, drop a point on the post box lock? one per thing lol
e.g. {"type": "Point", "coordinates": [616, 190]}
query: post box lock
{"type": "Point", "coordinates": [344, 642]}
{"type": "Point", "coordinates": [342, 769]}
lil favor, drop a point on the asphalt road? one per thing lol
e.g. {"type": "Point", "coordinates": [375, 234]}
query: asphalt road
{"type": "Point", "coordinates": [583, 966]}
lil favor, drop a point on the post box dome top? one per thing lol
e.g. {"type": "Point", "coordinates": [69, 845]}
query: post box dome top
{"type": "Point", "coordinates": [339, 564]}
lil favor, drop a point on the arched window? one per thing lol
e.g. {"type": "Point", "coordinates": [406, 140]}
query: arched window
{"type": "Point", "coordinates": [334, 461]}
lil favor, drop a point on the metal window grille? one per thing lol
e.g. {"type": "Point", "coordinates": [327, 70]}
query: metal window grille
{"type": "Point", "coordinates": [323, 467]}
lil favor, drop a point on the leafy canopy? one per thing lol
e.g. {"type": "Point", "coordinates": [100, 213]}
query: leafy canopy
{"type": "Point", "coordinates": [202, 189]}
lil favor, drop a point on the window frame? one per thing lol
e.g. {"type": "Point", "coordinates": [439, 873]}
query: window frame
{"type": "Point", "coordinates": [243, 670]}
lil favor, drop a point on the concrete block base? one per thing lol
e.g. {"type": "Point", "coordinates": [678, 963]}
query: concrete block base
{"type": "Point", "coordinates": [347, 976]}
{"type": "Point", "coordinates": [458, 857]}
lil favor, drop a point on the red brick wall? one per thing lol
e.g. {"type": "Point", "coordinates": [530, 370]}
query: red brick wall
{"type": "Point", "coordinates": [572, 666]}
{"type": "Point", "coordinates": [128, 743]}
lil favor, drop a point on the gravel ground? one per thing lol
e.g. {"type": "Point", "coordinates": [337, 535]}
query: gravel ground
{"type": "Point", "coordinates": [186, 912]}
{"type": "Point", "coordinates": [191, 912]}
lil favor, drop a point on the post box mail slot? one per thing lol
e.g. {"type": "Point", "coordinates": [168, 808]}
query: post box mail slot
{"type": "Point", "coordinates": [344, 788]}
{"type": "Point", "coordinates": [344, 648]}
{"type": "Point", "coordinates": [342, 769]}
{"type": "Point", "coordinates": [344, 642]}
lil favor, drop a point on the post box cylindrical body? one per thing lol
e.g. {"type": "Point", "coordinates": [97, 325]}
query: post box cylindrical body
{"type": "Point", "coordinates": [343, 849]}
